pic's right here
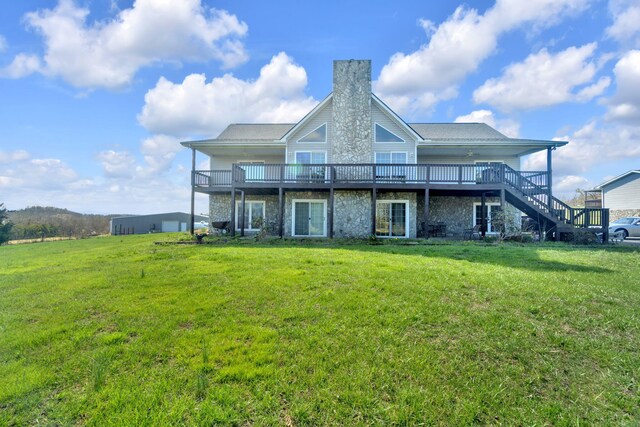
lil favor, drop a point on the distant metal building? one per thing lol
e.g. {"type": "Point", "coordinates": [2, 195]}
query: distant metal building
{"type": "Point", "coordinates": [155, 223]}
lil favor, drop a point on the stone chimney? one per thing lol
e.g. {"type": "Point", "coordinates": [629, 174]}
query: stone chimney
{"type": "Point", "coordinates": [352, 111]}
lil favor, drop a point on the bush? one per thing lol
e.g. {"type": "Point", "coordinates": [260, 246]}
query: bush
{"type": "Point", "coordinates": [580, 237]}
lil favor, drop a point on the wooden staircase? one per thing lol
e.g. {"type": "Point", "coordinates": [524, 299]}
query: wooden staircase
{"type": "Point", "coordinates": [535, 201]}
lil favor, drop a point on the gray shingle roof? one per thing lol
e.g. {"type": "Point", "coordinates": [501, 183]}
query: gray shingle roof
{"type": "Point", "coordinates": [456, 131]}
{"type": "Point", "coordinates": [255, 131]}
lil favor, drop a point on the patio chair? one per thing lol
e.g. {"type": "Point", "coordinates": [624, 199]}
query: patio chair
{"type": "Point", "coordinates": [471, 233]}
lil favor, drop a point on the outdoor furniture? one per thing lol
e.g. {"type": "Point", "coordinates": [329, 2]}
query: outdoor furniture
{"type": "Point", "coordinates": [221, 227]}
{"type": "Point", "coordinates": [472, 233]}
{"type": "Point", "coordinates": [440, 230]}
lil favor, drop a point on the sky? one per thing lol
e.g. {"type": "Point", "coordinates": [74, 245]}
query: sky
{"type": "Point", "coordinates": [95, 95]}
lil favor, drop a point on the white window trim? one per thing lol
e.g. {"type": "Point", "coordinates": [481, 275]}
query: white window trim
{"type": "Point", "coordinates": [293, 216]}
{"type": "Point", "coordinates": [406, 155]}
{"type": "Point", "coordinates": [239, 208]}
{"type": "Point", "coordinates": [310, 152]}
{"type": "Point", "coordinates": [476, 204]}
{"type": "Point", "coordinates": [406, 218]}
{"type": "Point", "coordinates": [375, 135]}
{"type": "Point", "coordinates": [326, 134]}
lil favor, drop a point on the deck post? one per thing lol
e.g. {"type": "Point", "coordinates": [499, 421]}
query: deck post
{"type": "Point", "coordinates": [483, 216]}
{"type": "Point", "coordinates": [374, 201]}
{"type": "Point", "coordinates": [192, 218]}
{"type": "Point", "coordinates": [330, 219]}
{"type": "Point", "coordinates": [232, 222]}
{"type": "Point", "coordinates": [242, 211]}
{"type": "Point", "coordinates": [425, 214]}
{"type": "Point", "coordinates": [549, 177]}
{"type": "Point", "coordinates": [281, 212]}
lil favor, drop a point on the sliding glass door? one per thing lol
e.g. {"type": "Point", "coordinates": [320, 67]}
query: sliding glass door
{"type": "Point", "coordinates": [392, 219]}
{"type": "Point", "coordinates": [309, 218]}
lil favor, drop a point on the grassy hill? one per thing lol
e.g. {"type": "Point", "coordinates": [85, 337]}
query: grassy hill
{"type": "Point", "coordinates": [119, 331]}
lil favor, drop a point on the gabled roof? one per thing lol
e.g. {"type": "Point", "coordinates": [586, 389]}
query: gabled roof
{"type": "Point", "coordinates": [619, 177]}
{"type": "Point", "coordinates": [255, 131]}
{"type": "Point", "coordinates": [404, 125]}
{"type": "Point", "coordinates": [306, 118]}
{"type": "Point", "coordinates": [456, 131]}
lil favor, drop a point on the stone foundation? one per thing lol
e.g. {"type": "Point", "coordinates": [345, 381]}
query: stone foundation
{"type": "Point", "coordinates": [220, 209]}
{"type": "Point", "coordinates": [352, 214]}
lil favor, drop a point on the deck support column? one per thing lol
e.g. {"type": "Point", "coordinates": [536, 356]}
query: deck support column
{"type": "Point", "coordinates": [374, 197]}
{"type": "Point", "coordinates": [483, 216]}
{"type": "Point", "coordinates": [425, 214]}
{"type": "Point", "coordinates": [242, 211]}
{"type": "Point", "coordinates": [192, 218]}
{"type": "Point", "coordinates": [330, 215]}
{"type": "Point", "coordinates": [281, 212]}
{"type": "Point", "coordinates": [232, 221]}
{"type": "Point", "coordinates": [549, 178]}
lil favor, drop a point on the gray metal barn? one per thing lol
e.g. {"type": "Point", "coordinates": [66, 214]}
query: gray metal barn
{"type": "Point", "coordinates": [155, 223]}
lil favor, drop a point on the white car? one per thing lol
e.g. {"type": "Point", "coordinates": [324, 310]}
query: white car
{"type": "Point", "coordinates": [629, 227]}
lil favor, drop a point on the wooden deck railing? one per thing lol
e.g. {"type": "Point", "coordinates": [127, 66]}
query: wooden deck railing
{"type": "Point", "coordinates": [532, 185]}
{"type": "Point", "coordinates": [361, 173]}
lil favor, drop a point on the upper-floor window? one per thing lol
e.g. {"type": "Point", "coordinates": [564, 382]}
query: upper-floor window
{"type": "Point", "coordinates": [311, 157]}
{"type": "Point", "coordinates": [385, 135]}
{"type": "Point", "coordinates": [398, 158]}
{"type": "Point", "coordinates": [319, 134]}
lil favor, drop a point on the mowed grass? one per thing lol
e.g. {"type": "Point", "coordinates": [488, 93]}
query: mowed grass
{"type": "Point", "coordinates": [119, 331]}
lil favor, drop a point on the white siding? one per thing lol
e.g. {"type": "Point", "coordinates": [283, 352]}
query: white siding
{"type": "Point", "coordinates": [389, 123]}
{"type": "Point", "coordinates": [322, 116]}
{"type": "Point", "coordinates": [512, 162]}
{"type": "Point", "coordinates": [623, 194]}
{"type": "Point", "coordinates": [225, 162]}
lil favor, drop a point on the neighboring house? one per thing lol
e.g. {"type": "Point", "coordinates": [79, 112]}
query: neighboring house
{"type": "Point", "coordinates": [353, 168]}
{"type": "Point", "coordinates": [621, 195]}
{"type": "Point", "coordinates": [155, 223]}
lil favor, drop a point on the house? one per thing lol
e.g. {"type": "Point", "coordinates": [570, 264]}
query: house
{"type": "Point", "coordinates": [353, 168]}
{"type": "Point", "coordinates": [621, 195]}
{"type": "Point", "coordinates": [155, 223]}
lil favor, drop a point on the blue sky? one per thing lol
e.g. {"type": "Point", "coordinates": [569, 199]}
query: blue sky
{"type": "Point", "coordinates": [96, 94]}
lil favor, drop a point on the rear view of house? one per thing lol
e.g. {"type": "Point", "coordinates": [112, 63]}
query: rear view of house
{"type": "Point", "coordinates": [353, 168]}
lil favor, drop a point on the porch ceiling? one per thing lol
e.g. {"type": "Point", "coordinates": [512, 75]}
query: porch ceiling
{"type": "Point", "coordinates": [238, 150]}
{"type": "Point", "coordinates": [476, 151]}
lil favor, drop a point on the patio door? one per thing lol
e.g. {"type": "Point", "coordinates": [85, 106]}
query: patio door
{"type": "Point", "coordinates": [392, 219]}
{"type": "Point", "coordinates": [489, 210]}
{"type": "Point", "coordinates": [309, 218]}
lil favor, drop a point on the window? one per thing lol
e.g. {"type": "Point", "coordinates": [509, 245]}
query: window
{"type": "Point", "coordinates": [384, 135]}
{"type": "Point", "coordinates": [490, 208]}
{"type": "Point", "coordinates": [391, 173]}
{"type": "Point", "coordinates": [319, 134]}
{"type": "Point", "coordinates": [311, 157]}
{"type": "Point", "coordinates": [253, 215]}
{"type": "Point", "coordinates": [309, 173]}
{"type": "Point", "coordinates": [392, 219]}
{"type": "Point", "coordinates": [309, 218]}
{"type": "Point", "coordinates": [488, 171]}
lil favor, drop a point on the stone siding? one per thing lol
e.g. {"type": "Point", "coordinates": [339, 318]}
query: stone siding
{"type": "Point", "coordinates": [220, 209]}
{"type": "Point", "coordinates": [352, 213]}
{"type": "Point", "coordinates": [352, 111]}
{"type": "Point", "coordinates": [456, 212]}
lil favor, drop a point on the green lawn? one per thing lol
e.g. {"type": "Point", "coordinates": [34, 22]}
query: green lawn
{"type": "Point", "coordinates": [119, 331]}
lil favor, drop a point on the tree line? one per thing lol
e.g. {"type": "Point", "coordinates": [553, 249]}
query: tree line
{"type": "Point", "coordinates": [38, 222]}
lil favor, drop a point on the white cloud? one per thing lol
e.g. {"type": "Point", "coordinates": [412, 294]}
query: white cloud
{"type": "Point", "coordinates": [569, 183]}
{"type": "Point", "coordinates": [197, 107]}
{"type": "Point", "coordinates": [109, 53]}
{"type": "Point", "coordinates": [544, 79]}
{"type": "Point", "coordinates": [159, 152]}
{"type": "Point", "coordinates": [21, 66]}
{"type": "Point", "coordinates": [625, 104]}
{"type": "Point", "coordinates": [413, 83]}
{"type": "Point", "coordinates": [117, 164]}
{"type": "Point", "coordinates": [591, 145]}
{"type": "Point", "coordinates": [626, 16]}
{"type": "Point", "coordinates": [508, 127]}
{"type": "Point", "coordinates": [20, 172]}
{"type": "Point", "coordinates": [13, 156]}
